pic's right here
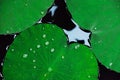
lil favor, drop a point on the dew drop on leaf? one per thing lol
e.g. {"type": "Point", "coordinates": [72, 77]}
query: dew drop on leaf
{"type": "Point", "coordinates": [45, 75]}
{"type": "Point", "coordinates": [7, 32]}
{"type": "Point", "coordinates": [44, 36]}
{"type": "Point", "coordinates": [50, 69]}
{"type": "Point", "coordinates": [89, 76]}
{"type": "Point", "coordinates": [110, 64]}
{"type": "Point", "coordinates": [30, 49]}
{"type": "Point", "coordinates": [38, 46]}
{"type": "Point", "coordinates": [12, 49]}
{"type": "Point", "coordinates": [52, 39]}
{"type": "Point", "coordinates": [25, 55]}
{"type": "Point", "coordinates": [42, 12]}
{"type": "Point", "coordinates": [47, 43]}
{"type": "Point", "coordinates": [52, 50]}
{"type": "Point", "coordinates": [34, 60]}
{"type": "Point", "coordinates": [34, 67]}
{"type": "Point", "coordinates": [63, 57]}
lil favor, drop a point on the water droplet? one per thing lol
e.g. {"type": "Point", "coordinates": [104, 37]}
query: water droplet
{"type": "Point", "coordinates": [7, 47]}
{"type": "Point", "coordinates": [44, 36]}
{"type": "Point", "coordinates": [89, 76]}
{"type": "Point", "coordinates": [52, 50]}
{"type": "Point", "coordinates": [47, 43]}
{"type": "Point", "coordinates": [77, 46]}
{"type": "Point", "coordinates": [38, 46]}
{"type": "Point", "coordinates": [34, 67]}
{"type": "Point", "coordinates": [53, 26]}
{"type": "Point", "coordinates": [34, 51]}
{"type": "Point", "coordinates": [1, 63]}
{"type": "Point", "coordinates": [15, 36]}
{"type": "Point", "coordinates": [45, 75]}
{"type": "Point", "coordinates": [25, 55]}
{"type": "Point", "coordinates": [12, 50]}
{"type": "Point", "coordinates": [95, 28]}
{"type": "Point", "coordinates": [110, 64]}
{"type": "Point", "coordinates": [7, 31]}
{"type": "Point", "coordinates": [49, 69]}
{"type": "Point", "coordinates": [42, 12]}
{"type": "Point", "coordinates": [52, 39]}
{"type": "Point", "coordinates": [91, 57]}
{"type": "Point", "coordinates": [1, 75]}
{"type": "Point", "coordinates": [63, 57]}
{"type": "Point", "coordinates": [34, 60]}
{"type": "Point", "coordinates": [30, 49]}
{"type": "Point", "coordinates": [65, 46]}
{"type": "Point", "coordinates": [26, 4]}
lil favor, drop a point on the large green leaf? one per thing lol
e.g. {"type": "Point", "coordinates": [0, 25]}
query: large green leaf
{"type": "Point", "coordinates": [17, 15]}
{"type": "Point", "coordinates": [102, 17]}
{"type": "Point", "coordinates": [41, 53]}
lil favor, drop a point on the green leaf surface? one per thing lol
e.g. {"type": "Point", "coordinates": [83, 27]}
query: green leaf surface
{"type": "Point", "coordinates": [41, 53]}
{"type": "Point", "coordinates": [102, 18]}
{"type": "Point", "coordinates": [17, 15]}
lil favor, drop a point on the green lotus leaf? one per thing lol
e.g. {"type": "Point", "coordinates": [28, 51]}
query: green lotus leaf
{"type": "Point", "coordinates": [17, 15]}
{"type": "Point", "coordinates": [41, 53]}
{"type": "Point", "coordinates": [102, 18]}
